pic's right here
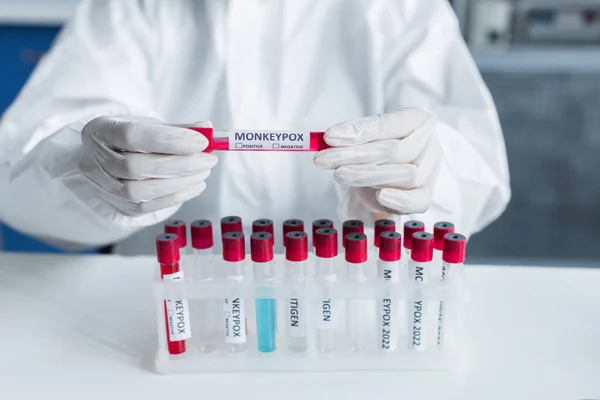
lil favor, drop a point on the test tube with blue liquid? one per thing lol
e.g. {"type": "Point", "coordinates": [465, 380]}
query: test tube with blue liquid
{"type": "Point", "coordinates": [261, 246]}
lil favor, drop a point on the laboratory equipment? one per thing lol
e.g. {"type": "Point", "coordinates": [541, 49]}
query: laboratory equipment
{"type": "Point", "coordinates": [357, 310]}
{"type": "Point", "coordinates": [175, 310]}
{"type": "Point", "coordinates": [351, 226]}
{"type": "Point", "coordinates": [388, 271]}
{"type": "Point", "coordinates": [296, 256]}
{"type": "Point", "coordinates": [261, 140]}
{"type": "Point", "coordinates": [234, 306]}
{"type": "Point", "coordinates": [261, 250]}
{"type": "Point", "coordinates": [326, 251]}
{"type": "Point", "coordinates": [291, 225]}
{"type": "Point", "coordinates": [419, 267]}
{"type": "Point", "coordinates": [303, 311]}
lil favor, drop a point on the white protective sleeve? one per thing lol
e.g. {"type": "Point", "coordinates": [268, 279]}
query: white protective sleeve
{"type": "Point", "coordinates": [100, 65]}
{"type": "Point", "coordinates": [429, 66]}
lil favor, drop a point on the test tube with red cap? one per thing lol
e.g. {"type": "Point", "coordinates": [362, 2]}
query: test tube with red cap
{"type": "Point", "coordinates": [326, 252]}
{"type": "Point", "coordinates": [202, 247]}
{"type": "Point", "coordinates": [351, 226]}
{"type": "Point", "coordinates": [440, 229]}
{"type": "Point", "coordinates": [296, 254]}
{"type": "Point", "coordinates": [382, 225]}
{"type": "Point", "coordinates": [357, 310]}
{"type": "Point", "coordinates": [261, 140]}
{"type": "Point", "coordinates": [234, 308]}
{"type": "Point", "coordinates": [231, 223]}
{"type": "Point", "coordinates": [177, 227]}
{"type": "Point", "coordinates": [261, 251]}
{"type": "Point", "coordinates": [176, 310]}
{"type": "Point", "coordinates": [388, 270]}
{"type": "Point", "coordinates": [410, 227]}
{"type": "Point", "coordinates": [418, 269]}
{"type": "Point", "coordinates": [264, 225]}
{"type": "Point", "coordinates": [454, 251]}
{"type": "Point", "coordinates": [291, 225]}
{"type": "Point", "coordinates": [320, 224]}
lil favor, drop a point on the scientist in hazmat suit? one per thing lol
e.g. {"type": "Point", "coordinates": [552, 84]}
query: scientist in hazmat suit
{"type": "Point", "coordinates": [93, 151]}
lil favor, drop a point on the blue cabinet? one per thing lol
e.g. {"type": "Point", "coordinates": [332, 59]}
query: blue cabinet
{"type": "Point", "coordinates": [21, 47]}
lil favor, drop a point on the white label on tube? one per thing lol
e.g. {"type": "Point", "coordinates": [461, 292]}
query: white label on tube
{"type": "Point", "coordinates": [268, 140]}
{"type": "Point", "coordinates": [417, 314]}
{"type": "Point", "coordinates": [388, 312]}
{"type": "Point", "coordinates": [418, 272]}
{"type": "Point", "coordinates": [296, 322]}
{"type": "Point", "coordinates": [327, 318]}
{"type": "Point", "coordinates": [178, 314]}
{"type": "Point", "coordinates": [234, 312]}
{"type": "Point", "coordinates": [441, 310]}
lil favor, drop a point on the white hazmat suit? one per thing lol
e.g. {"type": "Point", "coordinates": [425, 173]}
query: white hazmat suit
{"type": "Point", "coordinates": [256, 64]}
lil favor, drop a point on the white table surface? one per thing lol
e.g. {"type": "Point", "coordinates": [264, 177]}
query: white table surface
{"type": "Point", "coordinates": [84, 327]}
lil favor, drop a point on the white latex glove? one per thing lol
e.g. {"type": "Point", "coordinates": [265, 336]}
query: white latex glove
{"type": "Point", "coordinates": [141, 165]}
{"type": "Point", "coordinates": [389, 161]}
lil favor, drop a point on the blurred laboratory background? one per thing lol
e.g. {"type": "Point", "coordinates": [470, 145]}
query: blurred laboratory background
{"type": "Point", "coordinates": [541, 61]}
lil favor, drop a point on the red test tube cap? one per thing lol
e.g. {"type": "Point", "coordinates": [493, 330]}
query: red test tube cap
{"type": "Point", "coordinates": [383, 225]}
{"type": "Point", "coordinates": [231, 223]}
{"type": "Point", "coordinates": [234, 248]}
{"type": "Point", "coordinates": [261, 247]}
{"type": "Point", "coordinates": [296, 249]}
{"type": "Point", "coordinates": [440, 229]}
{"type": "Point", "coordinates": [320, 224]}
{"type": "Point", "coordinates": [390, 246]}
{"type": "Point", "coordinates": [326, 243]}
{"type": "Point", "coordinates": [177, 227]}
{"type": "Point", "coordinates": [411, 227]}
{"type": "Point", "coordinates": [167, 248]}
{"type": "Point", "coordinates": [264, 225]}
{"type": "Point", "coordinates": [356, 248]}
{"type": "Point", "coordinates": [291, 225]}
{"type": "Point", "coordinates": [202, 234]}
{"type": "Point", "coordinates": [351, 226]}
{"type": "Point", "coordinates": [455, 248]}
{"type": "Point", "coordinates": [422, 247]}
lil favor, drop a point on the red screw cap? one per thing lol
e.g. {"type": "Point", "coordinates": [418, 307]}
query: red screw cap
{"type": "Point", "coordinates": [383, 225]}
{"type": "Point", "coordinates": [291, 225]}
{"type": "Point", "coordinates": [440, 229]}
{"type": "Point", "coordinates": [177, 227]}
{"type": "Point", "coordinates": [356, 248]}
{"type": "Point", "coordinates": [202, 234]}
{"type": "Point", "coordinates": [234, 248]}
{"type": "Point", "coordinates": [326, 243]}
{"type": "Point", "coordinates": [264, 225]}
{"type": "Point", "coordinates": [261, 247]}
{"type": "Point", "coordinates": [231, 224]}
{"type": "Point", "coordinates": [319, 224]}
{"type": "Point", "coordinates": [351, 226]}
{"type": "Point", "coordinates": [296, 249]}
{"type": "Point", "coordinates": [411, 227]}
{"type": "Point", "coordinates": [455, 248]}
{"type": "Point", "coordinates": [390, 246]}
{"type": "Point", "coordinates": [167, 248]}
{"type": "Point", "coordinates": [422, 247]}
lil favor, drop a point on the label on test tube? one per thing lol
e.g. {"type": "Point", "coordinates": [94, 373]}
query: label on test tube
{"type": "Point", "coordinates": [178, 314]}
{"type": "Point", "coordinates": [235, 320]}
{"type": "Point", "coordinates": [418, 309]}
{"type": "Point", "coordinates": [327, 318]}
{"type": "Point", "coordinates": [388, 318]}
{"type": "Point", "coordinates": [268, 140]}
{"type": "Point", "coordinates": [296, 315]}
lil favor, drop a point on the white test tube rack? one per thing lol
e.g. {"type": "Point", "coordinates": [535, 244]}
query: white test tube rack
{"type": "Point", "coordinates": [454, 292]}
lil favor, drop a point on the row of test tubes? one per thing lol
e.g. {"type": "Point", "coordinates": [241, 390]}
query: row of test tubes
{"type": "Point", "coordinates": [421, 254]}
